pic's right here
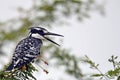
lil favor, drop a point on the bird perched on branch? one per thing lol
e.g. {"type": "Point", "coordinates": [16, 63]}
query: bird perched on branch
{"type": "Point", "coordinates": [29, 48]}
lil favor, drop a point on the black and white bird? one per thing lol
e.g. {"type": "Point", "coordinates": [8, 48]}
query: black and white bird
{"type": "Point", "coordinates": [29, 48]}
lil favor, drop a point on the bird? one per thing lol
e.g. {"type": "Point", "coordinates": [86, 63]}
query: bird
{"type": "Point", "coordinates": [28, 49]}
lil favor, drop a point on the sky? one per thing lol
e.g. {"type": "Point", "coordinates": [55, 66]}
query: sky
{"type": "Point", "coordinates": [98, 37]}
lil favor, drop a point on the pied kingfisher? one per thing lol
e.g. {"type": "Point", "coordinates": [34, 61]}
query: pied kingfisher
{"type": "Point", "coordinates": [29, 48]}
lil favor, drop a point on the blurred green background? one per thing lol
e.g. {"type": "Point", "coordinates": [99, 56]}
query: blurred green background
{"type": "Point", "coordinates": [55, 15]}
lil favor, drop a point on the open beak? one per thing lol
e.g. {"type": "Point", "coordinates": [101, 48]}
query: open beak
{"type": "Point", "coordinates": [54, 34]}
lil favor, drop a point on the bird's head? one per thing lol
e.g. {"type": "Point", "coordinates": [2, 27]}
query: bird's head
{"type": "Point", "coordinates": [43, 32]}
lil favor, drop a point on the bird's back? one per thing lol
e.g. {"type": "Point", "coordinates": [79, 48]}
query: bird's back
{"type": "Point", "coordinates": [26, 50]}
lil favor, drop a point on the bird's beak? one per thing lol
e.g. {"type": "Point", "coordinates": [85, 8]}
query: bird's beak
{"type": "Point", "coordinates": [54, 34]}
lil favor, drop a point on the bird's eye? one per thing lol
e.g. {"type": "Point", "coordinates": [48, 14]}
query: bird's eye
{"type": "Point", "coordinates": [41, 31]}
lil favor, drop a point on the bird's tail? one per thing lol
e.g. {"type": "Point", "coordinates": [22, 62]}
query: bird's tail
{"type": "Point", "coordinates": [10, 67]}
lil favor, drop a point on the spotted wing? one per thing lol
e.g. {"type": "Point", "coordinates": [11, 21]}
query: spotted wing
{"type": "Point", "coordinates": [25, 52]}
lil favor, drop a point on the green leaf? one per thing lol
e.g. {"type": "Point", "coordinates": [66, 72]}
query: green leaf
{"type": "Point", "coordinates": [115, 72]}
{"type": "Point", "coordinates": [96, 75]}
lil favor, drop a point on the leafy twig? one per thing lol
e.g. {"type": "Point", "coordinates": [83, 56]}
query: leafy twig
{"type": "Point", "coordinates": [19, 74]}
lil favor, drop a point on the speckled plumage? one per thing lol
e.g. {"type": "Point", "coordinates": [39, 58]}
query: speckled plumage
{"type": "Point", "coordinates": [29, 48]}
{"type": "Point", "coordinates": [25, 52]}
